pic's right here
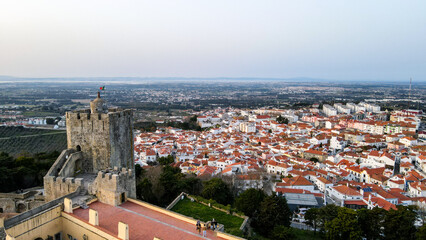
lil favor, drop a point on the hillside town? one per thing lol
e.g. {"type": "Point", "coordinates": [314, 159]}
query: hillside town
{"type": "Point", "coordinates": [351, 155]}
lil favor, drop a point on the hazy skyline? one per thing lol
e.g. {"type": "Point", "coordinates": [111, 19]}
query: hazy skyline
{"type": "Point", "coordinates": [365, 40]}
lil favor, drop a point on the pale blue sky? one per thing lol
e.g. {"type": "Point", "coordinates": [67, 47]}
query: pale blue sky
{"type": "Point", "coordinates": [342, 40]}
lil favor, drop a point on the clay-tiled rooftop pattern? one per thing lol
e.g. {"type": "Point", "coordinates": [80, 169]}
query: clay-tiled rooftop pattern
{"type": "Point", "coordinates": [144, 223]}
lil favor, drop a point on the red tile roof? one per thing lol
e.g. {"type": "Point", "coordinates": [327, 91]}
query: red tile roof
{"type": "Point", "coordinates": [325, 181]}
{"type": "Point", "coordinates": [382, 203]}
{"type": "Point", "coordinates": [345, 190]}
{"type": "Point", "coordinates": [355, 202]}
{"type": "Point", "coordinates": [315, 152]}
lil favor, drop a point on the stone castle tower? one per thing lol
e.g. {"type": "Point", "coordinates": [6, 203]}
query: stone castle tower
{"type": "Point", "coordinates": [104, 136]}
{"type": "Point", "coordinates": [99, 158]}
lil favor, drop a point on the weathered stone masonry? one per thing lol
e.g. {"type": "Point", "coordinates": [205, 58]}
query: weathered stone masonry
{"type": "Point", "coordinates": [99, 158]}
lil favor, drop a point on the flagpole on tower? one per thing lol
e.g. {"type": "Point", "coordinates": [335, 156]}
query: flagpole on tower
{"type": "Point", "coordinates": [102, 88]}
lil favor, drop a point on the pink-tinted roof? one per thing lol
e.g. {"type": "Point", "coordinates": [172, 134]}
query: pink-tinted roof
{"type": "Point", "coordinates": [144, 223]}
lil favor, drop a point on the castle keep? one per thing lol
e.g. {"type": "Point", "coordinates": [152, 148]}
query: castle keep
{"type": "Point", "coordinates": [99, 158]}
{"type": "Point", "coordinates": [90, 190]}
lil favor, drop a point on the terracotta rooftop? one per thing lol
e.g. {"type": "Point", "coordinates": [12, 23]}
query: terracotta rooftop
{"type": "Point", "coordinates": [298, 181]}
{"type": "Point", "coordinates": [345, 190]}
{"type": "Point", "coordinates": [325, 181]}
{"type": "Point", "coordinates": [144, 223]}
{"type": "Point", "coordinates": [311, 151]}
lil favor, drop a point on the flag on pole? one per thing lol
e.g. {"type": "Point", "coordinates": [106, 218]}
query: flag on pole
{"type": "Point", "coordinates": [102, 88]}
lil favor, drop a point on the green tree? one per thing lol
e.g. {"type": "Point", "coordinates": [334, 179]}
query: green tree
{"type": "Point", "coordinates": [249, 201]}
{"type": "Point", "coordinates": [371, 222]}
{"type": "Point", "coordinates": [7, 170]}
{"type": "Point", "coordinates": [281, 119]}
{"type": "Point", "coordinates": [144, 191]}
{"type": "Point", "coordinates": [399, 224]}
{"type": "Point", "coordinates": [282, 233]}
{"type": "Point", "coordinates": [25, 161]}
{"type": "Point", "coordinates": [166, 160]}
{"type": "Point", "coordinates": [326, 214]}
{"type": "Point", "coordinates": [161, 185]}
{"type": "Point", "coordinates": [191, 185]}
{"type": "Point", "coordinates": [50, 121]}
{"type": "Point", "coordinates": [169, 179]}
{"type": "Point", "coordinates": [6, 160]}
{"type": "Point", "coordinates": [218, 190]}
{"type": "Point", "coordinates": [273, 212]}
{"type": "Point", "coordinates": [421, 232]}
{"type": "Point", "coordinates": [312, 218]}
{"type": "Point", "coordinates": [139, 171]}
{"type": "Point", "coordinates": [6, 176]}
{"type": "Point", "coordinates": [344, 226]}
{"type": "Point", "coordinates": [193, 119]}
{"type": "Point", "coordinates": [25, 171]}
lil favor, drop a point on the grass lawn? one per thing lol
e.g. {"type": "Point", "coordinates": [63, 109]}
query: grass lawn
{"type": "Point", "coordinates": [205, 213]}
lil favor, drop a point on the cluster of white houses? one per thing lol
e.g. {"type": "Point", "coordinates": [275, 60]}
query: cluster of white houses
{"type": "Point", "coordinates": [352, 155]}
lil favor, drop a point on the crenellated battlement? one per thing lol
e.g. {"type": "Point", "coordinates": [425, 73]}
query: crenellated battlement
{"type": "Point", "coordinates": [86, 115]}
{"type": "Point", "coordinates": [68, 180]}
{"type": "Point", "coordinates": [64, 181]}
{"type": "Point", "coordinates": [114, 174]}
{"type": "Point", "coordinates": [111, 185]}
{"type": "Point", "coordinates": [120, 113]}
{"type": "Point", "coordinates": [59, 186]}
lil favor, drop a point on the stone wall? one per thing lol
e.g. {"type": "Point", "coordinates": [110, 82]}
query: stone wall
{"type": "Point", "coordinates": [19, 202]}
{"type": "Point", "coordinates": [60, 161]}
{"type": "Point", "coordinates": [55, 187]}
{"type": "Point", "coordinates": [28, 228]}
{"type": "Point", "coordinates": [72, 165]}
{"type": "Point", "coordinates": [106, 139]}
{"type": "Point", "coordinates": [8, 205]}
{"type": "Point", "coordinates": [41, 221]}
{"type": "Point", "coordinates": [97, 142]}
{"type": "Point", "coordinates": [121, 139]}
{"type": "Point", "coordinates": [109, 187]}
{"type": "Point", "coordinates": [89, 133]}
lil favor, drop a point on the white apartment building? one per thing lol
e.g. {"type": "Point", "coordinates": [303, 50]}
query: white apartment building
{"type": "Point", "coordinates": [342, 109]}
{"type": "Point", "coordinates": [337, 143]}
{"type": "Point", "coordinates": [329, 110]}
{"type": "Point", "coordinates": [248, 127]}
{"type": "Point", "coordinates": [351, 106]}
{"type": "Point", "coordinates": [359, 108]}
{"type": "Point", "coordinates": [369, 107]}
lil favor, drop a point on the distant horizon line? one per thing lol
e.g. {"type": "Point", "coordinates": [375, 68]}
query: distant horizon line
{"type": "Point", "coordinates": [11, 78]}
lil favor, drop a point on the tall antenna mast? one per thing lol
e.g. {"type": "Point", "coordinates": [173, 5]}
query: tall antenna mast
{"type": "Point", "coordinates": [409, 93]}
